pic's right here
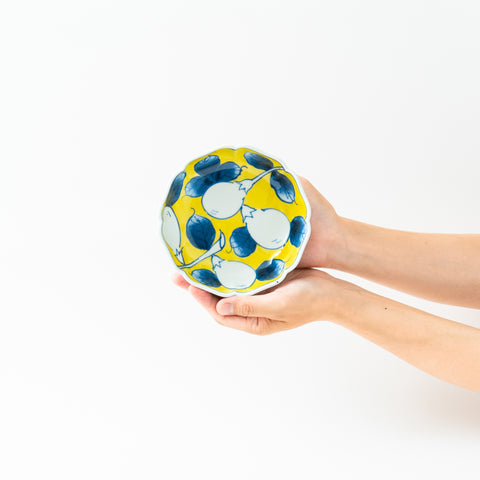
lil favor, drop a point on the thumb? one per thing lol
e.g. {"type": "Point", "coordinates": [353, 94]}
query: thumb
{"type": "Point", "coordinates": [250, 306]}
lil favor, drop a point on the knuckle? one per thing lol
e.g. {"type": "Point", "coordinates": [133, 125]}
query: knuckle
{"type": "Point", "coordinates": [245, 310]}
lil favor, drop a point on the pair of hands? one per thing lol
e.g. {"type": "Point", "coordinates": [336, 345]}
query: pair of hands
{"type": "Point", "coordinates": [440, 267]}
{"type": "Point", "coordinates": [305, 295]}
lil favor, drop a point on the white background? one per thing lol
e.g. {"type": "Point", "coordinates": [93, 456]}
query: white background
{"type": "Point", "coordinates": [108, 371]}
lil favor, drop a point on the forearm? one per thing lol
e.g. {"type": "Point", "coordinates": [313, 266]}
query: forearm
{"type": "Point", "coordinates": [440, 267]}
{"type": "Point", "coordinates": [445, 349]}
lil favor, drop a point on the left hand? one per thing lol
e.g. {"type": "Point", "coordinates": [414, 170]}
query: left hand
{"type": "Point", "coordinates": [327, 231]}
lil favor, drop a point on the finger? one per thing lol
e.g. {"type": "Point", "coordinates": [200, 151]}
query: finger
{"type": "Point", "coordinates": [268, 305]}
{"type": "Point", "coordinates": [302, 179]}
{"type": "Point", "coordinates": [305, 183]}
{"type": "Point", "coordinates": [255, 325]}
{"type": "Point", "coordinates": [209, 302]}
{"type": "Point", "coordinates": [205, 299]}
{"type": "Point", "coordinates": [180, 281]}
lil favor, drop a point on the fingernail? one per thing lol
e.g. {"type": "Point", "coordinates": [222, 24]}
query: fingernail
{"type": "Point", "coordinates": [225, 308]}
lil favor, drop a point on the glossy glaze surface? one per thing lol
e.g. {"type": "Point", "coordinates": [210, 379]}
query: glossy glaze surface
{"type": "Point", "coordinates": [235, 221]}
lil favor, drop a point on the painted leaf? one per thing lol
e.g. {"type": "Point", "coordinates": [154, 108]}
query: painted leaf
{"type": "Point", "coordinates": [283, 187]}
{"type": "Point", "coordinates": [206, 164]}
{"type": "Point", "coordinates": [270, 269]}
{"type": "Point", "coordinates": [242, 243]}
{"type": "Point", "coordinates": [206, 277]}
{"type": "Point", "coordinates": [224, 172]}
{"type": "Point", "coordinates": [200, 232]}
{"type": "Point", "coordinates": [175, 189]}
{"type": "Point", "coordinates": [197, 186]}
{"type": "Point", "coordinates": [298, 230]}
{"type": "Point", "coordinates": [258, 161]}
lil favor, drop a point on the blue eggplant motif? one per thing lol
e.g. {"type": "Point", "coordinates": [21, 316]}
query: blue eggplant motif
{"type": "Point", "coordinates": [206, 277]}
{"type": "Point", "coordinates": [283, 187]}
{"type": "Point", "coordinates": [175, 189]}
{"type": "Point", "coordinates": [242, 242]}
{"type": "Point", "coordinates": [258, 161]}
{"type": "Point", "coordinates": [200, 232]}
{"type": "Point", "coordinates": [207, 164]}
{"type": "Point", "coordinates": [270, 269]}
{"type": "Point", "coordinates": [212, 173]}
{"type": "Point", "coordinates": [298, 230]}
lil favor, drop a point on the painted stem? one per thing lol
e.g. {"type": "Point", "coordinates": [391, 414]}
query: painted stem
{"type": "Point", "coordinates": [179, 255]}
{"type": "Point", "coordinates": [261, 175]}
{"type": "Point", "coordinates": [215, 248]}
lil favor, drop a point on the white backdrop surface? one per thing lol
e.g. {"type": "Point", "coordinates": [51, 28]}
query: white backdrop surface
{"type": "Point", "coordinates": [109, 371]}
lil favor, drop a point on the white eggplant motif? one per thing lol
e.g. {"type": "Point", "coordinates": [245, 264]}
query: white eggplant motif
{"type": "Point", "coordinates": [171, 232]}
{"type": "Point", "coordinates": [224, 199]}
{"type": "Point", "coordinates": [232, 274]}
{"type": "Point", "coordinates": [269, 227]}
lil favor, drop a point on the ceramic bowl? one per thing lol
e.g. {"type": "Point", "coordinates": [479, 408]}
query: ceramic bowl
{"type": "Point", "coordinates": [235, 221]}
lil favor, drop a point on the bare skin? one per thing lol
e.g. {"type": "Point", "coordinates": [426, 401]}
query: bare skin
{"type": "Point", "coordinates": [440, 267]}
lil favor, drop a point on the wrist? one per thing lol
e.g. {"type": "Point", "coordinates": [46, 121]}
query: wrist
{"type": "Point", "coordinates": [339, 252]}
{"type": "Point", "coordinates": [334, 299]}
{"type": "Point", "coordinates": [353, 303]}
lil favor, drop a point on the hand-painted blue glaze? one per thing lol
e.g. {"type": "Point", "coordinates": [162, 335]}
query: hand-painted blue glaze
{"type": "Point", "coordinates": [258, 161]}
{"type": "Point", "coordinates": [283, 187]}
{"type": "Point", "coordinates": [175, 189]}
{"type": "Point", "coordinates": [197, 186]}
{"type": "Point", "coordinates": [206, 277]}
{"type": "Point", "coordinates": [224, 172]}
{"type": "Point", "coordinates": [242, 242]}
{"type": "Point", "coordinates": [205, 165]}
{"type": "Point", "coordinates": [200, 232]}
{"type": "Point", "coordinates": [270, 269]}
{"type": "Point", "coordinates": [298, 230]}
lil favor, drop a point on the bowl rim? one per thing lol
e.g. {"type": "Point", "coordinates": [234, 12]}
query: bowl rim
{"type": "Point", "coordinates": [285, 271]}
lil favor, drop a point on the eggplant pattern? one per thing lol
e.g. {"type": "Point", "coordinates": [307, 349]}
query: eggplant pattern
{"type": "Point", "coordinates": [171, 232]}
{"type": "Point", "coordinates": [211, 195]}
{"type": "Point", "coordinates": [224, 199]}
{"type": "Point", "coordinates": [233, 274]}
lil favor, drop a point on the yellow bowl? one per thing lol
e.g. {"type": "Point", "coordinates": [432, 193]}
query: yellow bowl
{"type": "Point", "coordinates": [235, 221]}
